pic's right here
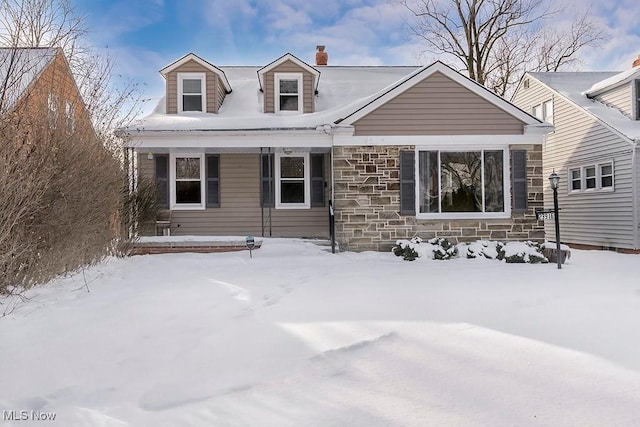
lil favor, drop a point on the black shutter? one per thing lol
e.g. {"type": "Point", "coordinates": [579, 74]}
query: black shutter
{"type": "Point", "coordinates": [519, 180]}
{"type": "Point", "coordinates": [407, 183]}
{"type": "Point", "coordinates": [267, 173]}
{"type": "Point", "coordinates": [213, 181]}
{"type": "Point", "coordinates": [162, 180]}
{"type": "Point", "coordinates": [317, 179]}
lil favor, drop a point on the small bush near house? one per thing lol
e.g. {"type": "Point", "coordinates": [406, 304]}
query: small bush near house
{"type": "Point", "coordinates": [440, 248]}
{"type": "Point", "coordinates": [436, 248]}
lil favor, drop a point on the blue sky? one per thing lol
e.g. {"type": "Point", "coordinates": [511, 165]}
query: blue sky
{"type": "Point", "coordinates": [146, 35]}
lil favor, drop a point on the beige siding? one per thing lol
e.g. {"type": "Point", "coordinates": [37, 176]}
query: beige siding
{"type": "Point", "coordinates": [600, 218]}
{"type": "Point", "coordinates": [438, 106]}
{"type": "Point", "coordinates": [308, 93]}
{"type": "Point", "coordinates": [620, 97]}
{"type": "Point", "coordinates": [215, 90]}
{"type": "Point", "coordinates": [240, 212]}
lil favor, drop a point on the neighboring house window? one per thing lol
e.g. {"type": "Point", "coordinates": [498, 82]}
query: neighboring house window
{"type": "Point", "coordinates": [575, 180]}
{"type": "Point", "coordinates": [69, 114]}
{"type": "Point", "coordinates": [547, 111]}
{"type": "Point", "coordinates": [461, 182]}
{"type": "Point", "coordinates": [536, 111]}
{"type": "Point", "coordinates": [187, 184]}
{"type": "Point", "coordinates": [53, 105]}
{"type": "Point", "coordinates": [543, 111]}
{"type": "Point", "coordinates": [191, 92]}
{"type": "Point", "coordinates": [592, 177]}
{"type": "Point", "coordinates": [292, 181]}
{"type": "Point", "coordinates": [288, 96]}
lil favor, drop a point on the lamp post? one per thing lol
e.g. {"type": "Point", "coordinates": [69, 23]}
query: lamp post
{"type": "Point", "coordinates": [554, 179]}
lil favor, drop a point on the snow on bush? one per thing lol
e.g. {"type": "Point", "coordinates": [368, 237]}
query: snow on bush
{"type": "Point", "coordinates": [440, 248]}
{"type": "Point", "coordinates": [436, 248]}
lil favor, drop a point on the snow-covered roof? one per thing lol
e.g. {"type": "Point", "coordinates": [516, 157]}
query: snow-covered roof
{"type": "Point", "coordinates": [613, 81]}
{"type": "Point", "coordinates": [19, 67]}
{"type": "Point", "coordinates": [344, 89]}
{"type": "Point", "coordinates": [575, 86]}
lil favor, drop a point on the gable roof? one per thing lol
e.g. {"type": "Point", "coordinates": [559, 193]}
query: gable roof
{"type": "Point", "coordinates": [19, 69]}
{"type": "Point", "coordinates": [419, 75]}
{"type": "Point", "coordinates": [289, 57]}
{"type": "Point", "coordinates": [613, 81]}
{"type": "Point", "coordinates": [193, 57]}
{"type": "Point", "coordinates": [574, 86]}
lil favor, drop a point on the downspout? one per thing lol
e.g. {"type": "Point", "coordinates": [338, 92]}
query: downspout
{"type": "Point", "coordinates": [634, 195]}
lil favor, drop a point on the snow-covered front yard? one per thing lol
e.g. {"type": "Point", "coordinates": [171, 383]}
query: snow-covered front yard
{"type": "Point", "coordinates": [299, 337]}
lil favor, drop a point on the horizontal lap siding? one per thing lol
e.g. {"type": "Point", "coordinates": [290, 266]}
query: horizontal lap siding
{"type": "Point", "coordinates": [600, 218]}
{"type": "Point", "coordinates": [308, 94]}
{"type": "Point", "coordinates": [240, 212]}
{"type": "Point", "coordinates": [438, 106]}
{"type": "Point", "coordinates": [215, 90]}
{"type": "Point", "coordinates": [620, 98]}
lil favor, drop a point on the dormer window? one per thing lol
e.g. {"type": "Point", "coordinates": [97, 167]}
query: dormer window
{"type": "Point", "coordinates": [288, 96]}
{"type": "Point", "coordinates": [191, 92]}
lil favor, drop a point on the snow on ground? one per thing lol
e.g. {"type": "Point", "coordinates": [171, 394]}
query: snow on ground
{"type": "Point", "coordinates": [298, 336]}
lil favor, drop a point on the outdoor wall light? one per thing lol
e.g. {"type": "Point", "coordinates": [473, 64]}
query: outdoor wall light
{"type": "Point", "coordinates": [149, 156]}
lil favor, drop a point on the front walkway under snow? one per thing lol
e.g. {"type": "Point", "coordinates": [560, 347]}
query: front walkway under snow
{"type": "Point", "coordinates": [298, 336]}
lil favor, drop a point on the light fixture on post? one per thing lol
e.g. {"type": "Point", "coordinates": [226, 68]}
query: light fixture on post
{"type": "Point", "coordinates": [554, 180]}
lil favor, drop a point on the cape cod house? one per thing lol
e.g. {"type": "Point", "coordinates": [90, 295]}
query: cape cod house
{"type": "Point", "coordinates": [594, 149]}
{"type": "Point", "coordinates": [395, 151]}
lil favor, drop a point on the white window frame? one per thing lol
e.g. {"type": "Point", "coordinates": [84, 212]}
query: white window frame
{"type": "Point", "coordinates": [53, 105]}
{"type": "Point", "coordinates": [583, 177]}
{"type": "Point", "coordinates": [70, 117]}
{"type": "Point", "coordinates": [506, 182]}
{"type": "Point", "coordinates": [547, 111]}
{"type": "Point", "coordinates": [544, 111]}
{"type": "Point", "coordinates": [307, 182]}
{"type": "Point", "coordinates": [173, 205]}
{"type": "Point", "coordinates": [203, 86]}
{"type": "Point", "coordinates": [288, 76]}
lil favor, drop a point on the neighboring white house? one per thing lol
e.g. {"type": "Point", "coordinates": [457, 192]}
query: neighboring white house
{"type": "Point", "coordinates": [594, 149]}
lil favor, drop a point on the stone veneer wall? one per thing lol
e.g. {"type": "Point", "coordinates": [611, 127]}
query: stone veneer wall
{"type": "Point", "coordinates": [367, 203]}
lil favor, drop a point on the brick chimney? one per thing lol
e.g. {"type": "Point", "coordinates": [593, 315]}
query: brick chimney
{"type": "Point", "coordinates": [322, 57]}
{"type": "Point", "coordinates": [635, 63]}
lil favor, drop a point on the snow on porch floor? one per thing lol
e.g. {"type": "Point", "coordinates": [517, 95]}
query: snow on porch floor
{"type": "Point", "coordinates": [146, 245]}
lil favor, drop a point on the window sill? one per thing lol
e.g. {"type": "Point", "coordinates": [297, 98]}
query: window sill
{"type": "Point", "coordinates": [464, 215]}
{"type": "Point", "coordinates": [188, 207]}
{"type": "Point", "coordinates": [293, 206]}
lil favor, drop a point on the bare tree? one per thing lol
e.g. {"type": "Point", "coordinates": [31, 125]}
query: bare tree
{"type": "Point", "coordinates": [112, 103]}
{"type": "Point", "coordinates": [496, 41]}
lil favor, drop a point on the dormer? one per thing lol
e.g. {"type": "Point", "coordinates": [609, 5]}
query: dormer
{"type": "Point", "coordinates": [289, 86]}
{"type": "Point", "coordinates": [193, 84]}
{"type": "Point", "coordinates": [622, 91]}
